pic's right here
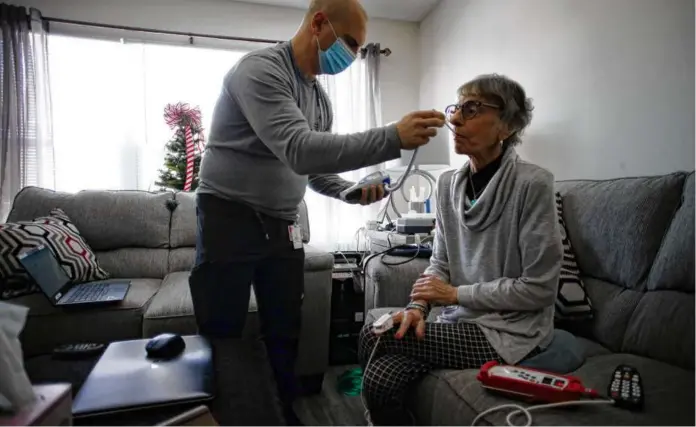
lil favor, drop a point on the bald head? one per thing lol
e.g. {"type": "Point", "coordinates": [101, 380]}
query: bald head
{"type": "Point", "coordinates": [326, 23]}
{"type": "Point", "coordinates": [328, 19]}
{"type": "Point", "coordinates": [337, 10]}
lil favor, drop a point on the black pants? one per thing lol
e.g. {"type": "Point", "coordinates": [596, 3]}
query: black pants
{"type": "Point", "coordinates": [235, 247]}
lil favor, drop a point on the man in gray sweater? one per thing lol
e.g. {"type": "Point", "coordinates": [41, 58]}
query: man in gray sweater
{"type": "Point", "coordinates": [270, 138]}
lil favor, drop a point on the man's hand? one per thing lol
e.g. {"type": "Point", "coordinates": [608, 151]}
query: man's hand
{"type": "Point", "coordinates": [371, 195]}
{"type": "Point", "coordinates": [432, 289]}
{"type": "Point", "coordinates": [416, 128]}
{"type": "Point", "coordinates": [411, 317]}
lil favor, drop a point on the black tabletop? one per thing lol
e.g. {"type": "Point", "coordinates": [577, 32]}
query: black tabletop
{"type": "Point", "coordinates": [245, 390]}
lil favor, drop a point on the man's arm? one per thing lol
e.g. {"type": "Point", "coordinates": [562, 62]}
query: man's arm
{"type": "Point", "coordinates": [329, 185]}
{"type": "Point", "coordinates": [542, 253]}
{"type": "Point", "coordinates": [263, 93]}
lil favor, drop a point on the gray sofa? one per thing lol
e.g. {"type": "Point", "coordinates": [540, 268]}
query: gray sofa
{"type": "Point", "coordinates": [150, 239]}
{"type": "Point", "coordinates": [634, 242]}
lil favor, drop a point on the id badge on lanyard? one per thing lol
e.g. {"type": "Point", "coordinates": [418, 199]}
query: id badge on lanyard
{"type": "Point", "coordinates": [295, 235]}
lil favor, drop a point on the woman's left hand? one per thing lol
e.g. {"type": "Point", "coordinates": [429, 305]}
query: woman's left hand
{"type": "Point", "coordinates": [434, 290]}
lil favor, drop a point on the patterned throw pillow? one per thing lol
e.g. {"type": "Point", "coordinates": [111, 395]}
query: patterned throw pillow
{"type": "Point", "coordinates": [59, 234]}
{"type": "Point", "coordinates": [572, 301]}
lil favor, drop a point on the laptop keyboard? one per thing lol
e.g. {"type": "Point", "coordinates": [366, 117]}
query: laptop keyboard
{"type": "Point", "coordinates": [86, 293]}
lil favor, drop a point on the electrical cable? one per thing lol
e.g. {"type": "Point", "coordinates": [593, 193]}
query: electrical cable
{"type": "Point", "coordinates": [357, 282]}
{"type": "Point", "coordinates": [520, 410]}
{"type": "Point", "coordinates": [393, 205]}
{"type": "Point", "coordinates": [362, 389]}
{"type": "Point", "coordinates": [399, 183]}
{"type": "Point", "coordinates": [381, 254]}
{"type": "Point", "coordinates": [402, 179]}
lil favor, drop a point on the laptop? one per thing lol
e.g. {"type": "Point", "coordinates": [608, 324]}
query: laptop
{"type": "Point", "coordinates": [125, 379]}
{"type": "Point", "coordinates": [54, 282]}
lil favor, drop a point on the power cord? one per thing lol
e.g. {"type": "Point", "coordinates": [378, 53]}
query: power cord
{"type": "Point", "coordinates": [366, 261]}
{"type": "Point", "coordinates": [520, 410]}
{"type": "Point", "coordinates": [382, 254]}
{"type": "Point", "coordinates": [357, 281]}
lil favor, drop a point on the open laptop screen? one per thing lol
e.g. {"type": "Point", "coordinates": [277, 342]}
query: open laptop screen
{"type": "Point", "coordinates": [43, 267]}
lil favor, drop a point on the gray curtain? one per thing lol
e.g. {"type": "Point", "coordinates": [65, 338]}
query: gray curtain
{"type": "Point", "coordinates": [26, 133]}
{"type": "Point", "coordinates": [371, 57]}
{"type": "Point", "coordinates": [355, 98]}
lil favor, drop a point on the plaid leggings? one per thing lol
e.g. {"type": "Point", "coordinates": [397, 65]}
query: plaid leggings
{"type": "Point", "coordinates": [398, 363]}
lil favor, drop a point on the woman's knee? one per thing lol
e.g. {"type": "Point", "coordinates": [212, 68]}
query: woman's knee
{"type": "Point", "coordinates": [367, 341]}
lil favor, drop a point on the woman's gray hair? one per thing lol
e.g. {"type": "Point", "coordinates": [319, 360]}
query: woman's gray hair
{"type": "Point", "coordinates": [515, 107]}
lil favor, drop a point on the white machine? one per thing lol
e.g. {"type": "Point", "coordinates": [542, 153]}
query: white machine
{"type": "Point", "coordinates": [415, 224]}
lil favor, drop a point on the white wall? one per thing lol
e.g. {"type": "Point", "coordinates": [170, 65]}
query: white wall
{"type": "Point", "coordinates": [612, 80]}
{"type": "Point", "coordinates": [400, 71]}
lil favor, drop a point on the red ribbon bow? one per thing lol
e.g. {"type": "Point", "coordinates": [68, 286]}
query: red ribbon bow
{"type": "Point", "coordinates": [181, 115]}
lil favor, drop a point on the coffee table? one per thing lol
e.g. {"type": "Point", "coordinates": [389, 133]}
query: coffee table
{"type": "Point", "coordinates": [245, 395]}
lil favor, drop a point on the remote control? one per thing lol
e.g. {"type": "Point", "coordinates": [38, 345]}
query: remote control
{"type": "Point", "coordinates": [626, 388]}
{"type": "Point", "coordinates": [78, 351]}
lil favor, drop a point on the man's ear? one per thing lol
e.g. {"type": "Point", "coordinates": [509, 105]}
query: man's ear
{"type": "Point", "coordinates": [318, 22]}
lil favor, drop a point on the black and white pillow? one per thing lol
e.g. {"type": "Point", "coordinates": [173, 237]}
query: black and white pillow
{"type": "Point", "coordinates": [59, 234]}
{"type": "Point", "coordinates": [572, 301]}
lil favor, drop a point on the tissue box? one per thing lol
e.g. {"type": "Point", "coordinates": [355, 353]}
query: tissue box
{"type": "Point", "coordinates": [52, 407]}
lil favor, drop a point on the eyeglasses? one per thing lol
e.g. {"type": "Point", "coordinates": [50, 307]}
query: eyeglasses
{"type": "Point", "coordinates": [469, 109]}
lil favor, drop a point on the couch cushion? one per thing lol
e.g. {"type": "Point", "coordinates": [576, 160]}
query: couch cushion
{"type": "Point", "coordinates": [135, 262]}
{"type": "Point", "coordinates": [181, 259]}
{"type": "Point", "coordinates": [106, 219]}
{"type": "Point", "coordinates": [613, 308]}
{"type": "Point", "coordinates": [617, 226]}
{"type": "Point", "coordinates": [674, 266]}
{"type": "Point", "coordinates": [317, 260]}
{"type": "Point", "coordinates": [390, 285]}
{"type": "Point", "coordinates": [592, 348]}
{"type": "Point", "coordinates": [662, 328]}
{"type": "Point", "coordinates": [48, 326]}
{"type": "Point", "coordinates": [450, 397]}
{"type": "Point", "coordinates": [60, 236]}
{"type": "Point", "coordinates": [171, 310]}
{"type": "Point", "coordinates": [183, 232]}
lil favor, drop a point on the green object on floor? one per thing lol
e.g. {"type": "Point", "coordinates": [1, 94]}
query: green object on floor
{"type": "Point", "coordinates": [350, 382]}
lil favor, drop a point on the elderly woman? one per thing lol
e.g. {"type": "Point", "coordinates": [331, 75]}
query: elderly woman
{"type": "Point", "coordinates": [496, 258]}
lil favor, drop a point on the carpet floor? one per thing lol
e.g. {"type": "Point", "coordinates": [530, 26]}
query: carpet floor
{"type": "Point", "coordinates": [331, 407]}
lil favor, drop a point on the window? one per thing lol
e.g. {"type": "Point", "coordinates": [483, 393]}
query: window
{"type": "Point", "coordinates": [356, 106]}
{"type": "Point", "coordinates": [109, 132]}
{"type": "Point", "coordinates": [108, 103]}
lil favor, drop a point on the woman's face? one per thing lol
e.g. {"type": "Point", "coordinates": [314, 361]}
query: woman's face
{"type": "Point", "coordinates": [476, 124]}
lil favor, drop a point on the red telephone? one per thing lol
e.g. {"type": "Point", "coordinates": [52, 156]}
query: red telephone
{"type": "Point", "coordinates": [531, 384]}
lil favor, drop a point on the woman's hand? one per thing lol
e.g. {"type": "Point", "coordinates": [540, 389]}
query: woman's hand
{"type": "Point", "coordinates": [432, 289]}
{"type": "Point", "coordinates": [410, 317]}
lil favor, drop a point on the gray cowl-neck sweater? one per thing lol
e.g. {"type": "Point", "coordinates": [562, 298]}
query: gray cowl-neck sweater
{"type": "Point", "coordinates": [503, 253]}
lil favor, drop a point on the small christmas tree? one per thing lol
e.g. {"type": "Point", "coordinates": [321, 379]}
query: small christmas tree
{"type": "Point", "coordinates": [183, 150]}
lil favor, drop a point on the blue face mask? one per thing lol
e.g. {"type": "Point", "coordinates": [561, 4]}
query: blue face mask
{"type": "Point", "coordinates": [336, 58]}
